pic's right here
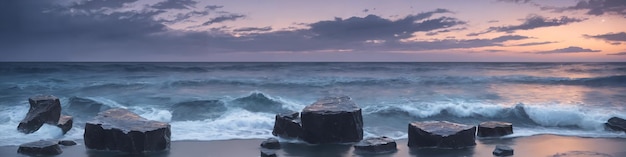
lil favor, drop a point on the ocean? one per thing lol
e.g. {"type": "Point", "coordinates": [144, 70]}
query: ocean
{"type": "Point", "coordinates": [219, 101]}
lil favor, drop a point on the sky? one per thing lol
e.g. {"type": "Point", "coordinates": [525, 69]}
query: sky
{"type": "Point", "coordinates": [320, 30]}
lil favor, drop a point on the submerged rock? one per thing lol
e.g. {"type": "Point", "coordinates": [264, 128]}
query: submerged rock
{"type": "Point", "coordinates": [442, 134]}
{"type": "Point", "coordinates": [66, 143]}
{"type": "Point", "coordinates": [494, 129]}
{"type": "Point", "coordinates": [287, 125]}
{"type": "Point", "coordinates": [376, 145]}
{"type": "Point", "coordinates": [271, 143]}
{"type": "Point", "coordinates": [122, 130]}
{"type": "Point", "coordinates": [198, 110]}
{"type": "Point", "coordinates": [502, 150]}
{"type": "Point", "coordinates": [43, 109]}
{"type": "Point", "coordinates": [40, 148]}
{"type": "Point", "coordinates": [65, 123]}
{"type": "Point", "coordinates": [617, 124]}
{"type": "Point", "coordinates": [332, 120]}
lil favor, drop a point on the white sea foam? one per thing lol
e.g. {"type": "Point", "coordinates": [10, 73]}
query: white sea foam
{"type": "Point", "coordinates": [235, 124]}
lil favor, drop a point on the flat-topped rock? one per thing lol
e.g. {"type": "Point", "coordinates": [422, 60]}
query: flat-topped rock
{"type": "Point", "coordinates": [268, 153]}
{"type": "Point", "coordinates": [287, 125]}
{"type": "Point", "coordinates": [38, 148]}
{"type": "Point", "coordinates": [332, 120]}
{"type": "Point", "coordinates": [502, 150]}
{"type": "Point", "coordinates": [65, 123]}
{"type": "Point", "coordinates": [121, 130]}
{"type": "Point", "coordinates": [43, 109]}
{"type": "Point", "coordinates": [376, 145]}
{"type": "Point", "coordinates": [494, 129]}
{"type": "Point", "coordinates": [616, 123]}
{"type": "Point", "coordinates": [442, 134]}
{"type": "Point", "coordinates": [66, 143]}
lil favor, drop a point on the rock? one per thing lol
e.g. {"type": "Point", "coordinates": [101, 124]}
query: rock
{"type": "Point", "coordinates": [271, 143]}
{"type": "Point", "coordinates": [494, 129]}
{"type": "Point", "coordinates": [40, 148]}
{"type": "Point", "coordinates": [332, 120]}
{"type": "Point", "coordinates": [287, 125]}
{"type": "Point", "coordinates": [442, 134]}
{"type": "Point", "coordinates": [268, 153]}
{"type": "Point", "coordinates": [616, 123]}
{"type": "Point", "coordinates": [502, 150]}
{"type": "Point", "coordinates": [376, 145]}
{"type": "Point", "coordinates": [65, 123]}
{"type": "Point", "coordinates": [43, 109]}
{"type": "Point", "coordinates": [67, 143]}
{"type": "Point", "coordinates": [122, 130]}
{"type": "Point", "coordinates": [198, 110]}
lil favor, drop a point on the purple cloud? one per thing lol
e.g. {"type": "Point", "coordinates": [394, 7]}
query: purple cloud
{"type": "Point", "coordinates": [571, 49]}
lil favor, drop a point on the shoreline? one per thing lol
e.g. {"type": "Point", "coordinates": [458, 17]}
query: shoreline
{"type": "Point", "coordinates": [537, 145]}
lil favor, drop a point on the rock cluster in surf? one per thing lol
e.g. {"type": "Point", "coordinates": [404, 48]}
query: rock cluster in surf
{"type": "Point", "coordinates": [328, 120]}
{"type": "Point", "coordinates": [44, 109]}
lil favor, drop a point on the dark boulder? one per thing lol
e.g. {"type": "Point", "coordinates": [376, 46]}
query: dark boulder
{"type": "Point", "coordinates": [376, 145]}
{"type": "Point", "coordinates": [332, 120]}
{"type": "Point", "coordinates": [39, 148]}
{"type": "Point", "coordinates": [65, 123]}
{"type": "Point", "coordinates": [616, 123]}
{"type": "Point", "coordinates": [442, 134]}
{"type": "Point", "coordinates": [271, 143]}
{"type": "Point", "coordinates": [502, 150]}
{"type": "Point", "coordinates": [287, 125]}
{"type": "Point", "coordinates": [122, 130]}
{"type": "Point", "coordinates": [268, 153]}
{"type": "Point", "coordinates": [43, 109]}
{"type": "Point", "coordinates": [494, 129]}
{"type": "Point", "coordinates": [67, 143]}
{"type": "Point", "coordinates": [198, 110]}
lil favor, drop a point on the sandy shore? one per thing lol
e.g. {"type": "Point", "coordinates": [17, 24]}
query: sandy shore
{"type": "Point", "coordinates": [533, 146]}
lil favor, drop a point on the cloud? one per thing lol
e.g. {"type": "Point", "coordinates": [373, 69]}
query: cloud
{"type": "Point", "coordinates": [571, 49]}
{"type": "Point", "coordinates": [374, 27]}
{"type": "Point", "coordinates": [515, 1]}
{"type": "Point", "coordinates": [596, 7]}
{"type": "Point", "coordinates": [99, 4]}
{"type": "Point", "coordinates": [532, 21]}
{"type": "Point", "coordinates": [618, 54]}
{"type": "Point", "coordinates": [445, 31]}
{"type": "Point", "coordinates": [222, 18]}
{"type": "Point", "coordinates": [365, 10]}
{"type": "Point", "coordinates": [609, 37]}
{"type": "Point", "coordinates": [535, 43]}
{"type": "Point", "coordinates": [214, 7]}
{"type": "Point", "coordinates": [536, 21]}
{"type": "Point", "coordinates": [175, 4]}
{"type": "Point", "coordinates": [253, 29]}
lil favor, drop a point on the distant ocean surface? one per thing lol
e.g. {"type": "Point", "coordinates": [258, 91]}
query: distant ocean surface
{"type": "Point", "coordinates": [217, 101]}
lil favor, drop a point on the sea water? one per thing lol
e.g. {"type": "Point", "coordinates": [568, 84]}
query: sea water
{"type": "Point", "coordinates": [239, 100]}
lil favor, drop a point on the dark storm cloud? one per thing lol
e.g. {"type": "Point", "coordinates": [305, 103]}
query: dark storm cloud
{"type": "Point", "coordinates": [571, 49]}
{"type": "Point", "coordinates": [99, 4]}
{"type": "Point", "coordinates": [596, 7]}
{"type": "Point", "coordinates": [535, 43]}
{"type": "Point", "coordinates": [374, 27]}
{"type": "Point", "coordinates": [222, 18]}
{"type": "Point", "coordinates": [445, 31]}
{"type": "Point", "coordinates": [532, 21]}
{"type": "Point", "coordinates": [618, 54]}
{"type": "Point", "coordinates": [175, 4]}
{"type": "Point", "coordinates": [253, 29]}
{"type": "Point", "coordinates": [213, 7]}
{"type": "Point", "coordinates": [537, 21]}
{"type": "Point", "coordinates": [620, 37]}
